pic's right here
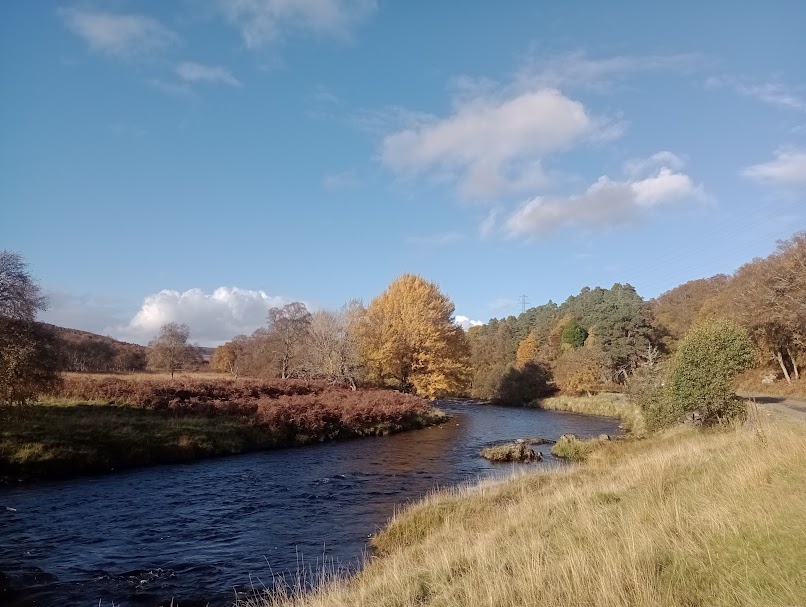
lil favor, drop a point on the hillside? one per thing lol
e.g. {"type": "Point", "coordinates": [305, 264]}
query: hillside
{"type": "Point", "coordinates": [89, 352]}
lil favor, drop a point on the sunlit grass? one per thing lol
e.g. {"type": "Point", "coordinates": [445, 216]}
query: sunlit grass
{"type": "Point", "coordinates": [608, 404]}
{"type": "Point", "coordinates": [686, 517]}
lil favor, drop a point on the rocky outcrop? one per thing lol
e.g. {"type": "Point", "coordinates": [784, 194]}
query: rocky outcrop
{"type": "Point", "coordinates": [518, 451]}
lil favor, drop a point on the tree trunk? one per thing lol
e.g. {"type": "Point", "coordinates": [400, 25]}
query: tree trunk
{"type": "Point", "coordinates": [794, 363]}
{"type": "Point", "coordinates": [780, 359]}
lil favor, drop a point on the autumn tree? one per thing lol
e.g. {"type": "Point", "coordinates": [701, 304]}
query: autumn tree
{"type": "Point", "coordinates": [677, 310]}
{"type": "Point", "coordinates": [408, 336]}
{"type": "Point", "coordinates": [170, 350]}
{"type": "Point", "coordinates": [769, 298]}
{"type": "Point", "coordinates": [527, 350]}
{"type": "Point", "coordinates": [228, 357]}
{"type": "Point", "coordinates": [581, 371]}
{"type": "Point", "coordinates": [289, 327]}
{"type": "Point", "coordinates": [259, 357]}
{"type": "Point", "coordinates": [29, 352]}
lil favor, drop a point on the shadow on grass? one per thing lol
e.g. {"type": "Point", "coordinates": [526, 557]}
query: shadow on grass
{"type": "Point", "coordinates": [61, 441]}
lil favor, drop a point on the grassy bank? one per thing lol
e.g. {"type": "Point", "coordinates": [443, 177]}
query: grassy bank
{"type": "Point", "coordinates": [684, 518]}
{"type": "Point", "coordinates": [608, 404]}
{"type": "Point", "coordinates": [97, 424]}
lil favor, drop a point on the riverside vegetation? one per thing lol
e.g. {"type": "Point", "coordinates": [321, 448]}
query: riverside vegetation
{"type": "Point", "coordinates": [686, 517]}
{"type": "Point", "coordinates": [704, 514]}
{"type": "Point", "coordinates": [99, 423]}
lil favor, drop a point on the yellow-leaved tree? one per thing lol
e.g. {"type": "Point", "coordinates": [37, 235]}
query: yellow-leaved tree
{"type": "Point", "coordinates": [527, 350]}
{"type": "Point", "coordinates": [408, 336]}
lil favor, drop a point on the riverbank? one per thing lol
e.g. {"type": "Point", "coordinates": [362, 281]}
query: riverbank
{"type": "Point", "coordinates": [94, 425]}
{"type": "Point", "coordinates": [607, 404]}
{"type": "Point", "coordinates": [687, 517]}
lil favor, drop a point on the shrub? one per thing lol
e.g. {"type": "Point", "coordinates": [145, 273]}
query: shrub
{"type": "Point", "coordinates": [707, 360]}
{"type": "Point", "coordinates": [572, 448]}
{"type": "Point", "coordinates": [647, 389]}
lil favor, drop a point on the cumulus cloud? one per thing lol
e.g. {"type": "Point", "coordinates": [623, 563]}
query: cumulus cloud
{"type": "Point", "coordinates": [209, 74]}
{"type": "Point", "coordinates": [465, 322]}
{"type": "Point", "coordinates": [607, 201]}
{"type": "Point", "coordinates": [213, 318]}
{"type": "Point", "coordinates": [264, 21]}
{"type": "Point", "coordinates": [786, 170]}
{"type": "Point", "coordinates": [493, 146]}
{"type": "Point", "coordinates": [117, 34]}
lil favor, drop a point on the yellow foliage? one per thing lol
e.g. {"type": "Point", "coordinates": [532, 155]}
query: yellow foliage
{"type": "Point", "coordinates": [408, 335]}
{"type": "Point", "coordinates": [527, 350]}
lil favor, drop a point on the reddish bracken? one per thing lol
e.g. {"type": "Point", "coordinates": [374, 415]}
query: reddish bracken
{"type": "Point", "coordinates": [286, 406]}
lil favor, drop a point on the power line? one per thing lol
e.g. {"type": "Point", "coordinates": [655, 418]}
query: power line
{"type": "Point", "coordinates": [524, 303]}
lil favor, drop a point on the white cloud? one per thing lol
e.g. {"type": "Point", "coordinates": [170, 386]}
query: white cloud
{"type": "Point", "coordinates": [640, 166]}
{"type": "Point", "coordinates": [209, 74]}
{"type": "Point", "coordinates": [772, 93]}
{"type": "Point", "coordinates": [265, 21]}
{"type": "Point", "coordinates": [577, 70]}
{"type": "Point", "coordinates": [213, 318]}
{"type": "Point", "coordinates": [607, 201]}
{"type": "Point", "coordinates": [121, 35]}
{"type": "Point", "coordinates": [465, 322]}
{"type": "Point", "coordinates": [494, 146]}
{"type": "Point", "coordinates": [487, 225]}
{"type": "Point", "coordinates": [786, 170]}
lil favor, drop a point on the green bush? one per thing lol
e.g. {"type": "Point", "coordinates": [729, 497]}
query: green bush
{"type": "Point", "coordinates": [701, 372]}
{"type": "Point", "coordinates": [647, 389]}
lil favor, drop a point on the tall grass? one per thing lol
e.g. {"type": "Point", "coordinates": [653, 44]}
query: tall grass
{"type": "Point", "coordinates": [685, 518]}
{"type": "Point", "coordinates": [608, 404]}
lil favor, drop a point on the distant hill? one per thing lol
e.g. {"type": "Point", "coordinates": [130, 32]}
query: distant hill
{"type": "Point", "coordinates": [84, 351]}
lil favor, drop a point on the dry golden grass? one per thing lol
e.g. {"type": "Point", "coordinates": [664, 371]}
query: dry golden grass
{"type": "Point", "coordinates": [606, 403]}
{"type": "Point", "coordinates": [685, 518]}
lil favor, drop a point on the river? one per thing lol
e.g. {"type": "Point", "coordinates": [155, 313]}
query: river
{"type": "Point", "coordinates": [197, 533]}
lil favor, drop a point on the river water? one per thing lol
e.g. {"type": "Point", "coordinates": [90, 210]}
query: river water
{"type": "Point", "coordinates": [197, 533]}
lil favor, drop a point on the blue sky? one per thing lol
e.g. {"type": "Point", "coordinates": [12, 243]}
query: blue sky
{"type": "Point", "coordinates": [201, 160]}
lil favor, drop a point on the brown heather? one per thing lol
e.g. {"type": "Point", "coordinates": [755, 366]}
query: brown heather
{"type": "Point", "coordinates": [99, 423]}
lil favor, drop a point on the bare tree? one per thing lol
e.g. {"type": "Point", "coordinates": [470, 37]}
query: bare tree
{"type": "Point", "coordinates": [289, 326]}
{"type": "Point", "coordinates": [332, 351]}
{"type": "Point", "coordinates": [29, 352]}
{"type": "Point", "coordinates": [170, 349]}
{"type": "Point", "coordinates": [20, 296]}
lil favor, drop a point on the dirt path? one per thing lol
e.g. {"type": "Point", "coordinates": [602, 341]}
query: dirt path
{"type": "Point", "coordinates": [781, 404]}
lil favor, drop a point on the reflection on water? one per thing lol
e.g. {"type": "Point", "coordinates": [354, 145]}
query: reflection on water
{"type": "Point", "coordinates": [196, 532]}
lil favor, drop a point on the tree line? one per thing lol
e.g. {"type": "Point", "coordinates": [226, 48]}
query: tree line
{"type": "Point", "coordinates": [406, 338]}
{"type": "Point", "coordinates": [600, 338]}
